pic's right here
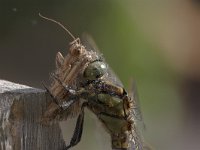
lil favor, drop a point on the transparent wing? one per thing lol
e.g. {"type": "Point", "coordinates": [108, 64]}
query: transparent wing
{"type": "Point", "coordinates": [139, 125]}
{"type": "Point", "coordinates": [134, 95]}
{"type": "Point", "coordinates": [88, 41]}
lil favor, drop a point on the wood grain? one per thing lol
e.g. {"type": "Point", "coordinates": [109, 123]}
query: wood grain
{"type": "Point", "coordinates": [21, 108]}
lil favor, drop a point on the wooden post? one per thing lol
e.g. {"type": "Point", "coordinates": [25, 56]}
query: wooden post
{"type": "Point", "coordinates": [21, 108]}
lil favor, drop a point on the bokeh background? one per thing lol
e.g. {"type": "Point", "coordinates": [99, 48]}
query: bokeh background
{"type": "Point", "coordinates": [156, 42]}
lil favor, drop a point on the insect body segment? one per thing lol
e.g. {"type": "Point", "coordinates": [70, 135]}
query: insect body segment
{"type": "Point", "coordinates": [83, 80]}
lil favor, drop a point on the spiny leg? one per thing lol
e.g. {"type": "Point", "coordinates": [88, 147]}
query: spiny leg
{"type": "Point", "coordinates": [78, 129]}
{"type": "Point", "coordinates": [73, 92]}
{"type": "Point", "coordinates": [65, 105]}
{"type": "Point", "coordinates": [67, 89]}
{"type": "Point", "coordinates": [55, 108]}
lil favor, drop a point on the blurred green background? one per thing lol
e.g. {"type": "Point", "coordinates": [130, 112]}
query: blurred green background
{"type": "Point", "coordinates": [139, 40]}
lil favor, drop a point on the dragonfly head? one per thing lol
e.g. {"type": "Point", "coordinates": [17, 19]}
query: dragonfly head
{"type": "Point", "coordinates": [95, 70]}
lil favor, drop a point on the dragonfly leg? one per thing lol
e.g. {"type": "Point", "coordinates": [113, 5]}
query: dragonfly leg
{"type": "Point", "coordinates": [78, 129]}
{"type": "Point", "coordinates": [55, 107]}
{"type": "Point", "coordinates": [64, 105]}
{"type": "Point", "coordinates": [61, 83]}
{"type": "Point", "coordinates": [73, 92]}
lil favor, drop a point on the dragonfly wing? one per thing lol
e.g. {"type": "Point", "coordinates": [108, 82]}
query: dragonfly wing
{"type": "Point", "coordinates": [137, 110]}
{"type": "Point", "coordinates": [139, 122]}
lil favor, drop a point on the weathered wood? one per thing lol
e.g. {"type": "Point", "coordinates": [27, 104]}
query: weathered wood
{"type": "Point", "coordinates": [21, 108]}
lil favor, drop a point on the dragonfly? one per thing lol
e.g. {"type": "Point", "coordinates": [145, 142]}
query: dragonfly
{"type": "Point", "coordinates": [82, 79]}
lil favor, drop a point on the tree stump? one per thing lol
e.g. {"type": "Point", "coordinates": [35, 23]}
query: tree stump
{"type": "Point", "coordinates": [21, 108]}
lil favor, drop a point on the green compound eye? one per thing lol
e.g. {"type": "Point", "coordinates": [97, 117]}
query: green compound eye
{"type": "Point", "coordinates": [95, 70]}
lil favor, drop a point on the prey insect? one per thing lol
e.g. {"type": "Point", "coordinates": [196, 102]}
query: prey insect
{"type": "Point", "coordinates": [83, 79]}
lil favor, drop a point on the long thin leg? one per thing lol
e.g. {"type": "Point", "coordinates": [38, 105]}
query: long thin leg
{"type": "Point", "coordinates": [67, 89]}
{"type": "Point", "coordinates": [73, 92]}
{"type": "Point", "coordinates": [65, 105]}
{"type": "Point", "coordinates": [78, 129]}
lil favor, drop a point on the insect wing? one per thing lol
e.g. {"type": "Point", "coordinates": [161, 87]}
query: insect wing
{"type": "Point", "coordinates": [139, 122]}
{"type": "Point", "coordinates": [134, 95]}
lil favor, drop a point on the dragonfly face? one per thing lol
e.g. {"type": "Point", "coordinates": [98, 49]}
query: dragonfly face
{"type": "Point", "coordinates": [82, 80]}
{"type": "Point", "coordinates": [95, 70]}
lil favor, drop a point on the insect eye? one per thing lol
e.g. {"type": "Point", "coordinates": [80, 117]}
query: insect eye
{"type": "Point", "coordinates": [95, 70]}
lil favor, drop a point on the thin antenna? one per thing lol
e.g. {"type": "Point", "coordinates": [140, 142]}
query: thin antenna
{"type": "Point", "coordinates": [62, 26]}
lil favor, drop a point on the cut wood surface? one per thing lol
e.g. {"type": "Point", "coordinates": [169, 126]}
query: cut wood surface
{"type": "Point", "coordinates": [21, 108]}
